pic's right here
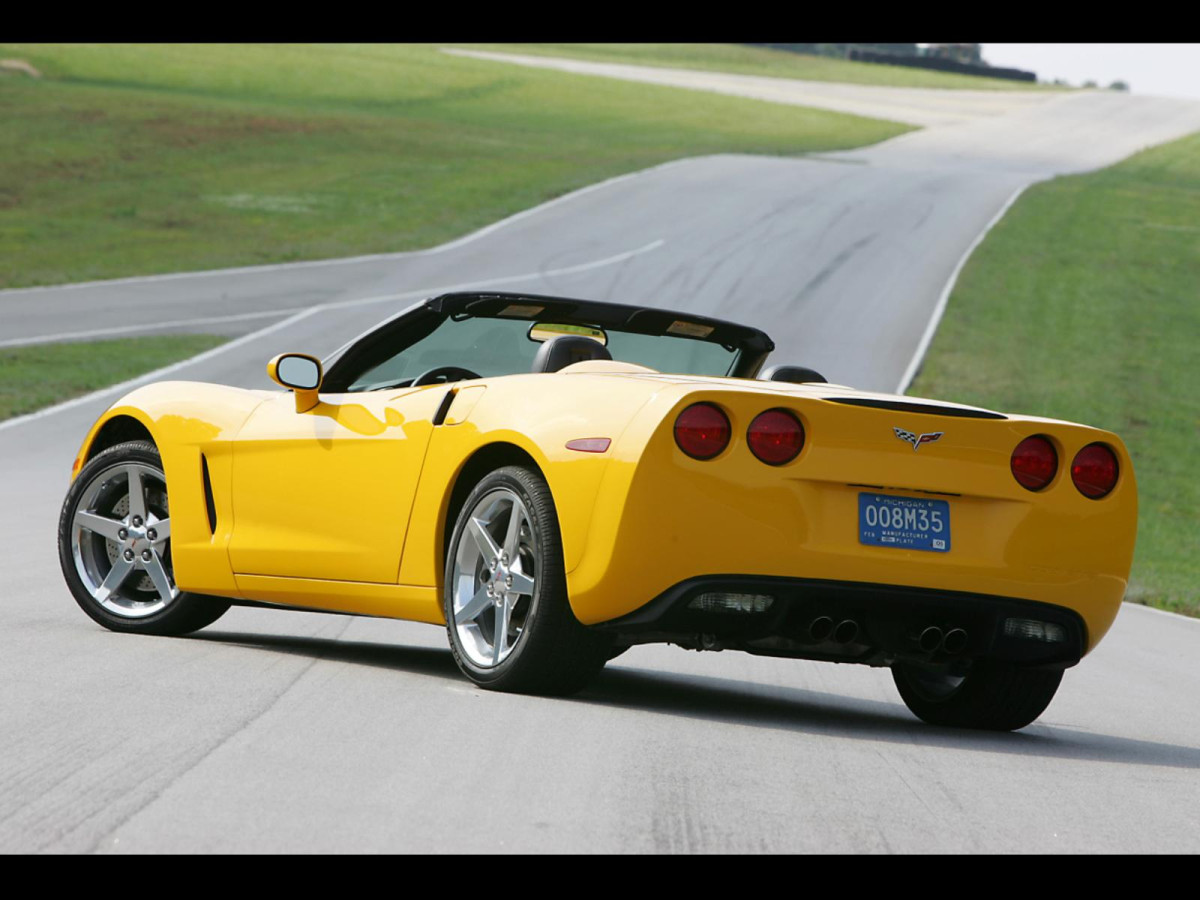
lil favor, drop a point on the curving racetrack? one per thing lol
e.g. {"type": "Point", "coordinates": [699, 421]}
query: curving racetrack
{"type": "Point", "coordinates": [292, 731]}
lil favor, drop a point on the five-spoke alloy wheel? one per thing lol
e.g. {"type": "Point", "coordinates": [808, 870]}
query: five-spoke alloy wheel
{"type": "Point", "coordinates": [493, 577]}
{"type": "Point", "coordinates": [508, 618]}
{"type": "Point", "coordinates": [114, 540]}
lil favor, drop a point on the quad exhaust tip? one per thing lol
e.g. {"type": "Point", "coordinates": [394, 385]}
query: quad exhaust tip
{"type": "Point", "coordinates": [822, 629]}
{"type": "Point", "coordinates": [955, 641]}
{"type": "Point", "coordinates": [931, 639]}
{"type": "Point", "coordinates": [950, 642]}
{"type": "Point", "coordinates": [846, 631]}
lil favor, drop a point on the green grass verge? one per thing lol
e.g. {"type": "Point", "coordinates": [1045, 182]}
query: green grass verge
{"type": "Point", "coordinates": [136, 160]}
{"type": "Point", "coordinates": [1084, 304]}
{"type": "Point", "coordinates": [38, 376]}
{"type": "Point", "coordinates": [743, 60]}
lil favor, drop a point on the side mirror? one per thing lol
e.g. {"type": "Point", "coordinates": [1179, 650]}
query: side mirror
{"type": "Point", "coordinates": [299, 373]}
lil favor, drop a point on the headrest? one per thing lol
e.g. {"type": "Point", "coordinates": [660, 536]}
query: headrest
{"type": "Point", "coordinates": [565, 350]}
{"type": "Point", "coordinates": [793, 374]}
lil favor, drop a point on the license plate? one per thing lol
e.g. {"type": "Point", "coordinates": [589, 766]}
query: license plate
{"type": "Point", "coordinates": [911, 523]}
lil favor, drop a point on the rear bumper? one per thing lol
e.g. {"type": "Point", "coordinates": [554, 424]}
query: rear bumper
{"type": "Point", "coordinates": [661, 518]}
{"type": "Point", "coordinates": [889, 622]}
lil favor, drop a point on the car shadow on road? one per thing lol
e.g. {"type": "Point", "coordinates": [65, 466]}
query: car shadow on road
{"type": "Point", "coordinates": [815, 712]}
{"type": "Point", "coordinates": [749, 704]}
{"type": "Point", "coordinates": [433, 661]}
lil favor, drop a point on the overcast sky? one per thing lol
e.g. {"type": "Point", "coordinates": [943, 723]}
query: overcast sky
{"type": "Point", "coordinates": [1169, 70]}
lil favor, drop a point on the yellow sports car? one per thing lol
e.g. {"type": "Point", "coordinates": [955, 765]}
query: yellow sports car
{"type": "Point", "coordinates": [556, 480]}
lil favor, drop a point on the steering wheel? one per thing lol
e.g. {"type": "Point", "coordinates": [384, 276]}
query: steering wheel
{"type": "Point", "coordinates": [443, 375]}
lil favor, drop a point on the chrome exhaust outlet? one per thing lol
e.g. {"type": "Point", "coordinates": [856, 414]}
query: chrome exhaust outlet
{"type": "Point", "coordinates": [955, 641]}
{"type": "Point", "coordinates": [931, 639]}
{"type": "Point", "coordinates": [820, 628]}
{"type": "Point", "coordinates": [846, 631]}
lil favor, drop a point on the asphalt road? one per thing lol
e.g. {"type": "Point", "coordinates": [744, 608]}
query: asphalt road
{"type": "Point", "coordinates": [293, 731]}
{"type": "Point", "coordinates": [913, 106]}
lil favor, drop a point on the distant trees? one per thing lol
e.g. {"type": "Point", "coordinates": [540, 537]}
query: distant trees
{"type": "Point", "coordinates": [1117, 85]}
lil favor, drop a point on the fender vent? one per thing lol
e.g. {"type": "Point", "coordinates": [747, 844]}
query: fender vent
{"type": "Point", "coordinates": [927, 409]}
{"type": "Point", "coordinates": [443, 409]}
{"type": "Point", "coordinates": [208, 495]}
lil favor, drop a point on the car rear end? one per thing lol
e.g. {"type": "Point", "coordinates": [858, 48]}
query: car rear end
{"type": "Point", "coordinates": [827, 523]}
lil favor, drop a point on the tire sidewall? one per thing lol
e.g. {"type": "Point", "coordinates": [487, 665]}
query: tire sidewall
{"type": "Point", "coordinates": [549, 577]}
{"type": "Point", "coordinates": [136, 451]}
{"type": "Point", "coordinates": [993, 696]}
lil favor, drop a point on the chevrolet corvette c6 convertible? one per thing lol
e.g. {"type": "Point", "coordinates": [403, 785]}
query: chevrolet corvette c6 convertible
{"type": "Point", "coordinates": [555, 480]}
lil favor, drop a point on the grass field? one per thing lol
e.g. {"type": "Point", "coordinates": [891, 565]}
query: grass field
{"type": "Point", "coordinates": [126, 160]}
{"type": "Point", "coordinates": [33, 377]}
{"type": "Point", "coordinates": [1084, 304]}
{"type": "Point", "coordinates": [744, 60]}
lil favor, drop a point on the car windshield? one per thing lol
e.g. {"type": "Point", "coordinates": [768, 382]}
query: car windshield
{"type": "Point", "coordinates": [501, 346]}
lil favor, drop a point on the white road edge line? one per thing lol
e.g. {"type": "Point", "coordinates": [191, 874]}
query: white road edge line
{"type": "Point", "coordinates": [36, 339]}
{"type": "Point", "coordinates": [931, 329]}
{"type": "Point", "coordinates": [503, 279]}
{"type": "Point", "coordinates": [349, 260]}
{"type": "Point", "coordinates": [914, 365]}
{"type": "Point", "coordinates": [1162, 612]}
{"type": "Point", "coordinates": [157, 374]}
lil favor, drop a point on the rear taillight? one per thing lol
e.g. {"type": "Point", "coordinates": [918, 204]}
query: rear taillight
{"type": "Point", "coordinates": [1034, 462]}
{"type": "Point", "coordinates": [775, 437]}
{"type": "Point", "coordinates": [702, 431]}
{"type": "Point", "coordinates": [1094, 471]}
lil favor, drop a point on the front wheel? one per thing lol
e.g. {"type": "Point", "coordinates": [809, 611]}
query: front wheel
{"type": "Point", "coordinates": [508, 617]}
{"type": "Point", "coordinates": [982, 694]}
{"type": "Point", "coordinates": [114, 546]}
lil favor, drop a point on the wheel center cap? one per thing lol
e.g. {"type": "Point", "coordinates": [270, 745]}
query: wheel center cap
{"type": "Point", "coordinates": [500, 581]}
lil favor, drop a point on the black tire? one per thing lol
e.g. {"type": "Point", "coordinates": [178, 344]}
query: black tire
{"type": "Point", "coordinates": [552, 654]}
{"type": "Point", "coordinates": [994, 696]}
{"type": "Point", "coordinates": [183, 614]}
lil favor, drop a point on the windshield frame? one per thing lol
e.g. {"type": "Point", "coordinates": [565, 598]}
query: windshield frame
{"type": "Point", "coordinates": [353, 360]}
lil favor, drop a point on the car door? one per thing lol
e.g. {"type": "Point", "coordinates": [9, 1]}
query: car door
{"type": "Point", "coordinates": [326, 493]}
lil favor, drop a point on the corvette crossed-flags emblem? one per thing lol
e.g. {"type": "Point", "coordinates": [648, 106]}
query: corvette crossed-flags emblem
{"type": "Point", "coordinates": [917, 439]}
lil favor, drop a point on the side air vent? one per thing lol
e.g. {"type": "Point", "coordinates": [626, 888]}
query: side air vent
{"type": "Point", "coordinates": [208, 495]}
{"type": "Point", "coordinates": [443, 409]}
{"type": "Point", "coordinates": [927, 409]}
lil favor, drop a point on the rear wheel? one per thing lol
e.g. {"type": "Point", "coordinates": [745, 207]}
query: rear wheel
{"type": "Point", "coordinates": [114, 546]}
{"type": "Point", "coordinates": [508, 618]}
{"type": "Point", "coordinates": [981, 694]}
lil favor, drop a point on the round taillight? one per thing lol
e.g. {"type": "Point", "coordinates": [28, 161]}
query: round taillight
{"type": "Point", "coordinates": [1034, 462]}
{"type": "Point", "coordinates": [702, 431]}
{"type": "Point", "coordinates": [1094, 471]}
{"type": "Point", "coordinates": [775, 437]}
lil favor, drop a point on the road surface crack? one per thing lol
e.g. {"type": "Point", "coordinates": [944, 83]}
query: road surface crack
{"type": "Point", "coordinates": [238, 729]}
